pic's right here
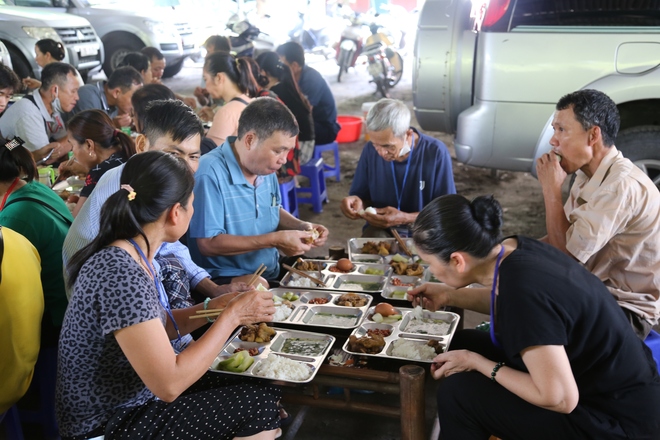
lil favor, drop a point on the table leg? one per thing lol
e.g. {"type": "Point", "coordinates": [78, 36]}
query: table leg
{"type": "Point", "coordinates": [412, 379]}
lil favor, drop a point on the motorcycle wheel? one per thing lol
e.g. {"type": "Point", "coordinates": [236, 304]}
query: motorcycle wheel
{"type": "Point", "coordinates": [381, 86]}
{"type": "Point", "coordinates": [344, 61]}
{"type": "Point", "coordinates": [396, 60]}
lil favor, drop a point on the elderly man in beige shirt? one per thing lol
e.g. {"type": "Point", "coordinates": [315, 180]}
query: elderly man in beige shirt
{"type": "Point", "coordinates": [611, 220]}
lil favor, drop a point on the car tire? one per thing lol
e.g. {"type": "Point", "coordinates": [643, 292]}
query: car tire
{"type": "Point", "coordinates": [173, 69]}
{"type": "Point", "coordinates": [115, 51]}
{"type": "Point", "coordinates": [642, 146]}
{"type": "Point", "coordinates": [20, 66]}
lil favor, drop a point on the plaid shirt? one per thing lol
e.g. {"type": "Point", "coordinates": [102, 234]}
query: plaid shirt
{"type": "Point", "coordinates": [175, 281]}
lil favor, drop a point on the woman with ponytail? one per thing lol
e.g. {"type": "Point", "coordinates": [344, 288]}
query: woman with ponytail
{"type": "Point", "coordinates": [118, 374]}
{"type": "Point", "coordinates": [560, 361]}
{"type": "Point", "coordinates": [97, 147]}
{"type": "Point", "coordinates": [48, 51]}
{"type": "Point", "coordinates": [231, 79]}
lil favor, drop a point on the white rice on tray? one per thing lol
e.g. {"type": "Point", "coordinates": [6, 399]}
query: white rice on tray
{"type": "Point", "coordinates": [412, 350]}
{"type": "Point", "coordinates": [298, 281]}
{"type": "Point", "coordinates": [427, 326]}
{"type": "Point", "coordinates": [282, 368]}
{"type": "Point", "coordinates": [282, 312]}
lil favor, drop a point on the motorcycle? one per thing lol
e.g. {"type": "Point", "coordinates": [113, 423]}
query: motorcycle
{"type": "Point", "coordinates": [314, 37]}
{"type": "Point", "coordinates": [385, 64]}
{"type": "Point", "coordinates": [350, 44]}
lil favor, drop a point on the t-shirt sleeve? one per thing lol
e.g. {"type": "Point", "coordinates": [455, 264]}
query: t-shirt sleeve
{"type": "Point", "coordinates": [225, 121]}
{"type": "Point", "coordinates": [123, 295]}
{"type": "Point", "coordinates": [593, 224]}
{"type": "Point", "coordinates": [30, 127]}
{"type": "Point", "coordinates": [526, 316]}
{"type": "Point", "coordinates": [360, 184]}
{"type": "Point", "coordinates": [209, 218]}
{"type": "Point", "coordinates": [444, 181]}
{"type": "Point", "coordinates": [93, 178]}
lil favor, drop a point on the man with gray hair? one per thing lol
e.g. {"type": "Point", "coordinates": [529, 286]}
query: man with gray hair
{"type": "Point", "coordinates": [239, 222]}
{"type": "Point", "coordinates": [400, 171]}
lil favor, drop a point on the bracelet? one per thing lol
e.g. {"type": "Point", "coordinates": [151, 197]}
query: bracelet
{"type": "Point", "coordinates": [206, 306]}
{"type": "Point", "coordinates": [496, 368]}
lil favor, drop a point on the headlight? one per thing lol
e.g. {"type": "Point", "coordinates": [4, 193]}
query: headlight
{"type": "Point", "coordinates": [39, 33]}
{"type": "Point", "coordinates": [162, 29]}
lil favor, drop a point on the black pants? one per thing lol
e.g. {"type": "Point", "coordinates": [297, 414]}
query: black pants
{"type": "Point", "coordinates": [471, 406]}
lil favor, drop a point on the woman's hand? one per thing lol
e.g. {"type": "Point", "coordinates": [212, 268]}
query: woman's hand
{"type": "Point", "coordinates": [251, 307]}
{"type": "Point", "coordinates": [431, 296]}
{"type": "Point", "coordinates": [451, 362]}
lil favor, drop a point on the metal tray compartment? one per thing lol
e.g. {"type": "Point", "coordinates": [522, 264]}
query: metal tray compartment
{"type": "Point", "coordinates": [449, 318]}
{"type": "Point", "coordinates": [390, 287]}
{"type": "Point", "coordinates": [276, 346]}
{"type": "Point", "coordinates": [305, 308]}
{"type": "Point", "coordinates": [398, 334]}
{"type": "Point", "coordinates": [316, 316]}
{"type": "Point", "coordinates": [363, 283]}
{"type": "Point", "coordinates": [333, 280]}
{"type": "Point", "coordinates": [355, 246]}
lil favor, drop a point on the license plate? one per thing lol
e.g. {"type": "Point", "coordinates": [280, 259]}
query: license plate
{"type": "Point", "coordinates": [87, 51]}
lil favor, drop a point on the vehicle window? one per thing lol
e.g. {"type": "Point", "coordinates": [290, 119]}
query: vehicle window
{"type": "Point", "coordinates": [37, 3]}
{"type": "Point", "coordinates": [585, 13]}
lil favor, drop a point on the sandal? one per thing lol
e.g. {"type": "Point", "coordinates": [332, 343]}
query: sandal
{"type": "Point", "coordinates": [285, 418]}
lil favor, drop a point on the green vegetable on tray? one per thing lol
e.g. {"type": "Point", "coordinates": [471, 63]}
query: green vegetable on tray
{"type": "Point", "coordinates": [400, 294]}
{"type": "Point", "coordinates": [290, 296]}
{"type": "Point", "coordinates": [374, 271]}
{"type": "Point", "coordinates": [236, 363]}
{"type": "Point", "coordinates": [377, 317]}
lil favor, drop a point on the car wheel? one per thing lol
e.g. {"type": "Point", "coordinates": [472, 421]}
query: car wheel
{"type": "Point", "coordinates": [173, 69]}
{"type": "Point", "coordinates": [115, 51]}
{"type": "Point", "coordinates": [642, 146]}
{"type": "Point", "coordinates": [21, 67]}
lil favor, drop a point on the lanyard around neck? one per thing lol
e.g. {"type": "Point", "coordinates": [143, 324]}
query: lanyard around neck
{"type": "Point", "coordinates": [162, 297]}
{"type": "Point", "coordinates": [398, 194]}
{"type": "Point", "coordinates": [9, 190]}
{"type": "Point", "coordinates": [493, 338]}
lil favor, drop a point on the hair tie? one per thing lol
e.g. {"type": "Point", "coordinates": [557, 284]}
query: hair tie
{"type": "Point", "coordinates": [280, 65]}
{"type": "Point", "coordinates": [13, 143]}
{"type": "Point", "coordinates": [131, 191]}
{"type": "Point", "coordinates": [115, 133]}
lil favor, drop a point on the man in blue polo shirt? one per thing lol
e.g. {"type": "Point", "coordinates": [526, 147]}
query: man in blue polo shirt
{"type": "Point", "coordinates": [399, 172]}
{"type": "Point", "coordinates": [238, 222]}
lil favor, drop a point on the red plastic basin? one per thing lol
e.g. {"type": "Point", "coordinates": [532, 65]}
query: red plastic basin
{"type": "Point", "coordinates": [351, 128]}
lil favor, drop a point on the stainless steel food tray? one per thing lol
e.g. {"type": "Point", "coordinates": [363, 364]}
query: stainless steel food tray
{"type": "Point", "coordinates": [275, 346]}
{"type": "Point", "coordinates": [336, 281]}
{"type": "Point", "coordinates": [355, 253]}
{"type": "Point", "coordinates": [398, 332]}
{"type": "Point", "coordinates": [304, 313]}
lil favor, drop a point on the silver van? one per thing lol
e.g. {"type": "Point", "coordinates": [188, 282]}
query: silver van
{"type": "Point", "coordinates": [491, 72]}
{"type": "Point", "coordinates": [128, 25]}
{"type": "Point", "coordinates": [21, 28]}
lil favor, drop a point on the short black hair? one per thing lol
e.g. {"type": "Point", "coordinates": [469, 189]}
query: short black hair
{"type": "Point", "coordinates": [125, 78]}
{"type": "Point", "coordinates": [136, 60]}
{"type": "Point", "coordinates": [152, 53]}
{"type": "Point", "coordinates": [145, 96]}
{"type": "Point", "coordinates": [292, 51]}
{"type": "Point", "coordinates": [265, 116]}
{"type": "Point", "coordinates": [55, 73]}
{"type": "Point", "coordinates": [171, 118]}
{"type": "Point", "coordinates": [594, 108]}
{"type": "Point", "coordinates": [220, 43]}
{"type": "Point", "coordinates": [9, 79]}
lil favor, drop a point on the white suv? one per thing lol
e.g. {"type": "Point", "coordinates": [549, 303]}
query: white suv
{"type": "Point", "coordinates": [491, 72]}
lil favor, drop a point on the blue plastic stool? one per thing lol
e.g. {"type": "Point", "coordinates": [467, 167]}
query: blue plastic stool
{"type": "Point", "coordinates": [653, 342]}
{"type": "Point", "coordinates": [329, 171]}
{"type": "Point", "coordinates": [12, 423]}
{"type": "Point", "coordinates": [288, 196]}
{"type": "Point", "coordinates": [316, 193]}
{"type": "Point", "coordinates": [45, 375]}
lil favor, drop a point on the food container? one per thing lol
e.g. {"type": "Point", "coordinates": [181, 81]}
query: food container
{"type": "Point", "coordinates": [351, 128]}
{"type": "Point", "coordinates": [397, 286]}
{"type": "Point", "coordinates": [307, 312]}
{"type": "Point", "coordinates": [398, 333]}
{"type": "Point", "coordinates": [356, 249]}
{"type": "Point", "coordinates": [284, 344]}
{"type": "Point", "coordinates": [364, 277]}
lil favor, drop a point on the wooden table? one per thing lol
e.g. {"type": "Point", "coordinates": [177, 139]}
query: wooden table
{"type": "Point", "coordinates": [408, 383]}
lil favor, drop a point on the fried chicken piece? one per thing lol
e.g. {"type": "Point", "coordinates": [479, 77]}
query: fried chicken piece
{"type": "Point", "coordinates": [399, 267]}
{"type": "Point", "coordinates": [264, 333]}
{"type": "Point", "coordinates": [366, 344]}
{"type": "Point", "coordinates": [415, 270]}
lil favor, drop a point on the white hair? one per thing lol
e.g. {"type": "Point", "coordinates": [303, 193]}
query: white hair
{"type": "Point", "coordinates": [389, 113]}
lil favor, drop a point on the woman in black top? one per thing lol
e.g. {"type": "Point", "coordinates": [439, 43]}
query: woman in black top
{"type": "Point", "coordinates": [561, 360]}
{"type": "Point", "coordinates": [282, 82]}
